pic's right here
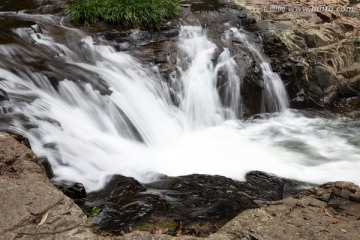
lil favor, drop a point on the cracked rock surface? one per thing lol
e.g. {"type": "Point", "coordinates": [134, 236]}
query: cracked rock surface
{"type": "Point", "coordinates": [330, 211]}
{"type": "Point", "coordinates": [30, 206]}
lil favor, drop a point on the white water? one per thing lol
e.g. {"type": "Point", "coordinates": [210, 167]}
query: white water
{"type": "Point", "coordinates": [274, 97]}
{"type": "Point", "coordinates": [94, 134]}
{"type": "Point", "coordinates": [200, 103]}
{"type": "Point", "coordinates": [233, 84]}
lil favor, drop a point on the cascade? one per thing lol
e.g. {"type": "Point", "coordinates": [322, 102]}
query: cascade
{"type": "Point", "coordinates": [94, 112]}
{"type": "Point", "coordinates": [274, 98]}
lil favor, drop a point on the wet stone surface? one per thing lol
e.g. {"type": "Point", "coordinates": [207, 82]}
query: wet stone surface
{"type": "Point", "coordinates": [11, 5]}
{"type": "Point", "coordinates": [194, 204]}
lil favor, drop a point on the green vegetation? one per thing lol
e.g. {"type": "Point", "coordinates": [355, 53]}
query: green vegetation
{"type": "Point", "coordinates": [129, 13]}
{"type": "Point", "coordinates": [94, 212]}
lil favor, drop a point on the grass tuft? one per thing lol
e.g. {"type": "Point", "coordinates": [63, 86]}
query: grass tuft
{"type": "Point", "coordinates": [128, 13]}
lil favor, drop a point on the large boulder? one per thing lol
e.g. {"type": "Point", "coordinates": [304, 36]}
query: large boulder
{"type": "Point", "coordinates": [30, 206]}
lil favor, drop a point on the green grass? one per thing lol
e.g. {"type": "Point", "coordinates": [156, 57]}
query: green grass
{"type": "Point", "coordinates": [128, 13]}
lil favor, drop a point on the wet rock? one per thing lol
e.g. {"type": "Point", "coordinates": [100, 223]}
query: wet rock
{"type": "Point", "coordinates": [37, 29]}
{"type": "Point", "coordinates": [72, 190]}
{"type": "Point", "coordinates": [44, 162]}
{"type": "Point", "coordinates": [21, 139]}
{"type": "Point", "coordinates": [269, 187]}
{"type": "Point", "coordinates": [171, 33]}
{"type": "Point", "coordinates": [330, 211]}
{"type": "Point", "coordinates": [118, 189]}
{"type": "Point", "coordinates": [347, 105]}
{"type": "Point", "coordinates": [192, 199]}
{"type": "Point", "coordinates": [204, 5]}
{"type": "Point", "coordinates": [3, 95]}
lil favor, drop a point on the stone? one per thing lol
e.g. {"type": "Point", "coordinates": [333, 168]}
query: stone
{"type": "Point", "coordinates": [74, 191]}
{"type": "Point", "coordinates": [324, 43]}
{"type": "Point", "coordinates": [324, 76]}
{"type": "Point", "coordinates": [37, 29]}
{"type": "Point", "coordinates": [3, 95]}
{"type": "Point", "coordinates": [27, 196]}
{"type": "Point", "coordinates": [318, 213]}
{"type": "Point", "coordinates": [201, 203]}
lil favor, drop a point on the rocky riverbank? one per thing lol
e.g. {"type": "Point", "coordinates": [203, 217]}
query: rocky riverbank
{"type": "Point", "coordinates": [33, 208]}
{"type": "Point", "coordinates": [30, 206]}
{"type": "Point", "coordinates": [315, 52]}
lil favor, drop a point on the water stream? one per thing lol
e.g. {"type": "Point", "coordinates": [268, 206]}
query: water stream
{"type": "Point", "coordinates": [94, 112]}
{"type": "Point", "coordinates": [274, 98]}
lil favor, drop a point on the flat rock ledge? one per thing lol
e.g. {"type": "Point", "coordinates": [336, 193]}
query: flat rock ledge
{"type": "Point", "coordinates": [32, 208]}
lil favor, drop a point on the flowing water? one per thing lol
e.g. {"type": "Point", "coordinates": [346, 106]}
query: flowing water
{"type": "Point", "coordinates": [274, 98]}
{"type": "Point", "coordinates": [94, 112]}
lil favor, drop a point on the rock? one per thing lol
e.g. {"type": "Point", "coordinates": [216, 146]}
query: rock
{"type": "Point", "coordinates": [37, 29]}
{"type": "Point", "coordinates": [44, 162]}
{"type": "Point", "coordinates": [330, 211]}
{"type": "Point", "coordinates": [324, 76]}
{"type": "Point", "coordinates": [27, 196]}
{"type": "Point", "coordinates": [21, 139]}
{"type": "Point", "coordinates": [3, 95]}
{"type": "Point", "coordinates": [118, 189]}
{"type": "Point", "coordinates": [120, 204]}
{"type": "Point", "coordinates": [74, 191]}
{"type": "Point", "coordinates": [171, 33]}
{"type": "Point", "coordinates": [195, 204]}
{"type": "Point", "coordinates": [323, 42]}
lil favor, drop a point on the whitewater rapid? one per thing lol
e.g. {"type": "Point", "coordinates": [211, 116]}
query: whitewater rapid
{"type": "Point", "coordinates": [137, 131]}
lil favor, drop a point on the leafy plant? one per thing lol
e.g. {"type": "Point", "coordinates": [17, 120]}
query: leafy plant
{"type": "Point", "coordinates": [129, 13]}
{"type": "Point", "coordinates": [94, 212]}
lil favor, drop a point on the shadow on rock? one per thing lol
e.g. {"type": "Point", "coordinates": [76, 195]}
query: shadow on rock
{"type": "Point", "coordinates": [194, 205]}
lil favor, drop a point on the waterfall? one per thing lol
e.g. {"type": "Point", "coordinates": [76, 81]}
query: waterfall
{"type": "Point", "coordinates": [94, 112]}
{"type": "Point", "coordinates": [200, 102]}
{"type": "Point", "coordinates": [232, 85]}
{"type": "Point", "coordinates": [274, 97]}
